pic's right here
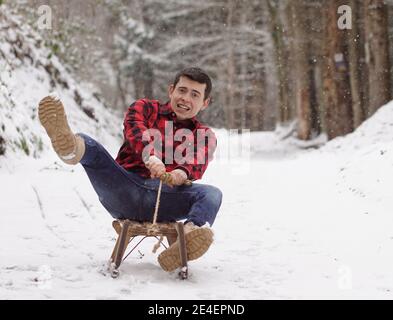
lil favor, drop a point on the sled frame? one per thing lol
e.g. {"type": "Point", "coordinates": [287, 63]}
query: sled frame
{"type": "Point", "coordinates": [128, 230]}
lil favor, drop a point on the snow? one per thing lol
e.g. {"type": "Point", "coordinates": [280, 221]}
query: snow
{"type": "Point", "coordinates": [28, 74]}
{"type": "Point", "coordinates": [299, 224]}
{"type": "Point", "coordinates": [297, 221]}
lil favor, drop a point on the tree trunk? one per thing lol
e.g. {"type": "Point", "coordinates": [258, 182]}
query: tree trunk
{"type": "Point", "coordinates": [338, 100]}
{"type": "Point", "coordinates": [243, 71]}
{"type": "Point", "coordinates": [363, 66]}
{"type": "Point", "coordinates": [377, 57]}
{"type": "Point", "coordinates": [230, 111]}
{"type": "Point", "coordinates": [2, 146]}
{"type": "Point", "coordinates": [302, 67]}
{"type": "Point", "coordinates": [355, 67]}
{"type": "Point", "coordinates": [277, 31]}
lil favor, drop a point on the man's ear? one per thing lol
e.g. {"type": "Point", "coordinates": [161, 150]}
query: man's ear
{"type": "Point", "coordinates": [170, 90]}
{"type": "Point", "coordinates": [206, 103]}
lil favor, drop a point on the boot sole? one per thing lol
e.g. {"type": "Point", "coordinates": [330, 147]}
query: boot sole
{"type": "Point", "coordinates": [53, 118]}
{"type": "Point", "coordinates": [197, 243]}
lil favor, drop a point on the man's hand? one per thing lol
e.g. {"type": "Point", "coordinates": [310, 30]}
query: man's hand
{"type": "Point", "coordinates": [156, 167]}
{"type": "Point", "coordinates": [177, 177]}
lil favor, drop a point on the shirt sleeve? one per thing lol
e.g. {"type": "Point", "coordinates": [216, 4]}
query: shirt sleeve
{"type": "Point", "coordinates": [136, 124]}
{"type": "Point", "coordinates": [203, 154]}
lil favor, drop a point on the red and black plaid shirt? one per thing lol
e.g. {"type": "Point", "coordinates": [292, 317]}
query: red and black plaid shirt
{"type": "Point", "coordinates": [189, 139]}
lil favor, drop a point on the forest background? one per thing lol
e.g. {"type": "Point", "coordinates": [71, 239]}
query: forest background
{"type": "Point", "coordinates": [316, 66]}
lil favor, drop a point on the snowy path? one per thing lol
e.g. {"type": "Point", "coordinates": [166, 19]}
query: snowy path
{"type": "Point", "coordinates": [294, 227]}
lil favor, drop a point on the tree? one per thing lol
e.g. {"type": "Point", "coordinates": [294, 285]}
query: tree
{"type": "Point", "coordinates": [133, 60]}
{"type": "Point", "coordinates": [302, 71]}
{"type": "Point", "coordinates": [356, 66]}
{"type": "Point", "coordinates": [338, 99]}
{"type": "Point", "coordinates": [227, 39]}
{"type": "Point", "coordinates": [377, 53]}
{"type": "Point", "coordinates": [279, 35]}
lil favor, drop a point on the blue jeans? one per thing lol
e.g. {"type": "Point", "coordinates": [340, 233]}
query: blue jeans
{"type": "Point", "coordinates": [126, 195]}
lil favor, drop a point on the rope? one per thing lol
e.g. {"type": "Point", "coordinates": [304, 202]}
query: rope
{"type": "Point", "coordinates": [157, 204]}
{"type": "Point", "coordinates": [165, 178]}
{"type": "Point", "coordinates": [154, 227]}
{"type": "Point", "coordinates": [157, 245]}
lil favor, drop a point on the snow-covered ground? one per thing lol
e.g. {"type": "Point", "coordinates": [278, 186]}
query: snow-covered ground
{"type": "Point", "coordinates": [295, 223]}
{"type": "Point", "coordinates": [301, 224]}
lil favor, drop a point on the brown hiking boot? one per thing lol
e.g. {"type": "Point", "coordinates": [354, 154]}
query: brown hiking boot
{"type": "Point", "coordinates": [67, 145]}
{"type": "Point", "coordinates": [198, 241]}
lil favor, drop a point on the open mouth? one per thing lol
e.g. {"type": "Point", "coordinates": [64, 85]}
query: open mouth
{"type": "Point", "coordinates": [184, 107]}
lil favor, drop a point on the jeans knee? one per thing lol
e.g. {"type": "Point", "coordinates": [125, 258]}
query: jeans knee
{"type": "Point", "coordinates": [215, 195]}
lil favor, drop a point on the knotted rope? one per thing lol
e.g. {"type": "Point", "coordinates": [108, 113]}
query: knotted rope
{"type": "Point", "coordinates": [165, 178]}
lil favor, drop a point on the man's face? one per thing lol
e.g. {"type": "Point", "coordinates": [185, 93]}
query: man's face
{"type": "Point", "coordinates": [187, 98]}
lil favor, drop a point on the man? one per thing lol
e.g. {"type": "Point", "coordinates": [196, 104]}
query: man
{"type": "Point", "coordinates": [158, 139]}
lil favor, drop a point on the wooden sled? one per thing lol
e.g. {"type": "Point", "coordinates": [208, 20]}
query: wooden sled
{"type": "Point", "coordinates": [128, 230]}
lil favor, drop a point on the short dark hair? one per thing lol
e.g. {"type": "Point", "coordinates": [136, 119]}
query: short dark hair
{"type": "Point", "coordinates": [198, 75]}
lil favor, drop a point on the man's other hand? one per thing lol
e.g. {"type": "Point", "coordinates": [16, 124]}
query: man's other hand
{"type": "Point", "coordinates": [156, 167]}
{"type": "Point", "coordinates": [177, 177]}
